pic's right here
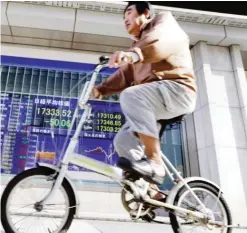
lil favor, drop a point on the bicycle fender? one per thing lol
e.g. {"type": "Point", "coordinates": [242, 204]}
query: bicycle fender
{"type": "Point", "coordinates": [175, 189]}
{"type": "Point", "coordinates": [70, 182]}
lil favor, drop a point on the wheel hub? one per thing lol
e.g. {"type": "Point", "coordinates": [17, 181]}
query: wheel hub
{"type": "Point", "coordinates": [38, 206]}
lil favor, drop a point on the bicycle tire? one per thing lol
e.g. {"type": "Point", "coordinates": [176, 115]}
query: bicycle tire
{"type": "Point", "coordinates": [28, 173]}
{"type": "Point", "coordinates": [173, 218]}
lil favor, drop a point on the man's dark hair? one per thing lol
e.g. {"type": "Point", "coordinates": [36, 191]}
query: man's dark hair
{"type": "Point", "coordinates": [141, 7]}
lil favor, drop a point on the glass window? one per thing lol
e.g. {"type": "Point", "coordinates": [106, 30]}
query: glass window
{"type": "Point", "coordinates": [43, 82]}
{"type": "Point", "coordinates": [11, 79]}
{"type": "Point", "coordinates": [35, 81]}
{"type": "Point", "coordinates": [4, 77]}
{"type": "Point", "coordinates": [50, 82]}
{"type": "Point", "coordinates": [19, 79]}
{"type": "Point", "coordinates": [172, 148]}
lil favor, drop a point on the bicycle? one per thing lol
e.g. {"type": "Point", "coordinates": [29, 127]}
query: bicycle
{"type": "Point", "coordinates": [187, 202]}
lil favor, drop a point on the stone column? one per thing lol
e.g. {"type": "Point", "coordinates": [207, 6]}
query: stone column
{"type": "Point", "coordinates": [241, 82]}
{"type": "Point", "coordinates": [219, 124]}
{"type": "Point", "coordinates": [241, 85]}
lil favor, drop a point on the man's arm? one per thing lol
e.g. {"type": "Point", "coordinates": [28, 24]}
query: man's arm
{"type": "Point", "coordinates": [117, 82]}
{"type": "Point", "coordinates": [164, 39]}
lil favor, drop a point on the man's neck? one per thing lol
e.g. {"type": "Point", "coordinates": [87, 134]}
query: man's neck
{"type": "Point", "coordinates": [143, 24]}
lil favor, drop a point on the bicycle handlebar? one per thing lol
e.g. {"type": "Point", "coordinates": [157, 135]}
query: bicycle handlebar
{"type": "Point", "coordinates": [105, 59]}
{"type": "Point", "coordinates": [89, 85]}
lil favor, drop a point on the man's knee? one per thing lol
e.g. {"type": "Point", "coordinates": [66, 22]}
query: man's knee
{"type": "Point", "coordinates": [128, 97]}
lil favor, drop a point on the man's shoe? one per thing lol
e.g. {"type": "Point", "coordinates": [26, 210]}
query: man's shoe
{"type": "Point", "coordinates": [150, 169]}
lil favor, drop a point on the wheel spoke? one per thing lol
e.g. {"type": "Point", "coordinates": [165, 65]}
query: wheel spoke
{"type": "Point", "coordinates": [20, 225]}
{"type": "Point", "coordinates": [25, 217]}
{"type": "Point", "coordinates": [208, 197]}
{"type": "Point", "coordinates": [189, 204]}
{"type": "Point", "coordinates": [44, 228]}
{"type": "Point", "coordinates": [19, 215]}
{"type": "Point", "coordinates": [54, 222]}
{"type": "Point", "coordinates": [47, 206]}
{"type": "Point", "coordinates": [29, 228]}
{"type": "Point", "coordinates": [216, 201]}
{"type": "Point", "coordinates": [23, 206]}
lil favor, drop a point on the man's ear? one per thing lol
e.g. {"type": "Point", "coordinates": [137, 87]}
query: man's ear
{"type": "Point", "coordinates": [147, 13]}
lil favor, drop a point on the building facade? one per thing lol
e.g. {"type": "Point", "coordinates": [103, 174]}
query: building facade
{"type": "Point", "coordinates": [48, 51]}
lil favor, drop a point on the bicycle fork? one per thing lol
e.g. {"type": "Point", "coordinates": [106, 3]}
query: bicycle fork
{"type": "Point", "coordinates": [69, 150]}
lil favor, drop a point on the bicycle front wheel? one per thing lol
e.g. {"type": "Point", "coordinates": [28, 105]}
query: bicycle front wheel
{"type": "Point", "coordinates": [20, 208]}
{"type": "Point", "coordinates": [215, 204]}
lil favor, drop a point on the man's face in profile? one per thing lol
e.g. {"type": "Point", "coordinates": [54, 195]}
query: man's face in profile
{"type": "Point", "coordinates": [131, 20]}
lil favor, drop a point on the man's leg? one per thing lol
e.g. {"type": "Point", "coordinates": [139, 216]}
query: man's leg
{"type": "Point", "coordinates": [140, 111]}
{"type": "Point", "coordinates": [152, 147]}
{"type": "Point", "coordinates": [143, 105]}
{"type": "Point", "coordinates": [125, 142]}
{"type": "Point", "coordinates": [130, 146]}
{"type": "Point", "coordinates": [140, 105]}
{"type": "Point", "coordinates": [152, 150]}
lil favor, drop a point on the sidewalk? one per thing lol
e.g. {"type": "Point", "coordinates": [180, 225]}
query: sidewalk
{"type": "Point", "coordinates": [76, 224]}
{"type": "Point", "coordinates": [123, 227]}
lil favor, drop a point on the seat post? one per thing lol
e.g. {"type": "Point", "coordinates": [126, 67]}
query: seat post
{"type": "Point", "coordinates": [165, 122]}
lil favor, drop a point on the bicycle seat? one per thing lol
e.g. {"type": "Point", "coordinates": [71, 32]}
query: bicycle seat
{"type": "Point", "coordinates": [165, 122]}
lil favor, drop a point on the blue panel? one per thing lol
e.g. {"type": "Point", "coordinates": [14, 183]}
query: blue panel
{"type": "Point", "coordinates": [49, 64]}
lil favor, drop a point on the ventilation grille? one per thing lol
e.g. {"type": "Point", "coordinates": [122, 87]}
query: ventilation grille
{"type": "Point", "coordinates": [104, 8]}
{"type": "Point", "coordinates": [119, 9]}
{"type": "Point", "coordinates": [25, 80]}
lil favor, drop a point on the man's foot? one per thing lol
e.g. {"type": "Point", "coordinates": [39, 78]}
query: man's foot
{"type": "Point", "coordinates": [158, 196]}
{"type": "Point", "coordinates": [150, 169]}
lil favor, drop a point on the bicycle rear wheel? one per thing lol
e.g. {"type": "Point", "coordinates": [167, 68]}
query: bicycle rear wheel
{"type": "Point", "coordinates": [20, 207]}
{"type": "Point", "coordinates": [213, 201]}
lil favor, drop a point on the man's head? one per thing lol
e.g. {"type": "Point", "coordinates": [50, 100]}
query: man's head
{"type": "Point", "coordinates": [135, 14]}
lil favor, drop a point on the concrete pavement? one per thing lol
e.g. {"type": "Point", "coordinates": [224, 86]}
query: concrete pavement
{"type": "Point", "coordinates": [116, 219]}
{"type": "Point", "coordinates": [97, 226]}
{"type": "Point", "coordinates": [132, 227]}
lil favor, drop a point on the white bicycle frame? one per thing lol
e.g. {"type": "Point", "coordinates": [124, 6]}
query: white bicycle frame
{"type": "Point", "coordinates": [112, 172]}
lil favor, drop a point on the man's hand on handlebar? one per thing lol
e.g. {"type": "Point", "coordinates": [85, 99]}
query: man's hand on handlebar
{"type": "Point", "coordinates": [96, 93]}
{"type": "Point", "coordinates": [119, 58]}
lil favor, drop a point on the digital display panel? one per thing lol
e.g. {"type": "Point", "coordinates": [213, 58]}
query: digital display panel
{"type": "Point", "coordinates": [26, 130]}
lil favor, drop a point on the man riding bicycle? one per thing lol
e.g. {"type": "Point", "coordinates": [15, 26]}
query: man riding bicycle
{"type": "Point", "coordinates": [156, 82]}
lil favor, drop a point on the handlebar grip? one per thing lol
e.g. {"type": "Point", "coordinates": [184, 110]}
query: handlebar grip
{"type": "Point", "coordinates": [125, 59]}
{"type": "Point", "coordinates": [104, 59]}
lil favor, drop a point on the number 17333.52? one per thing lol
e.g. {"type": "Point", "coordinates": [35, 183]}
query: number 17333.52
{"type": "Point", "coordinates": [54, 112]}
